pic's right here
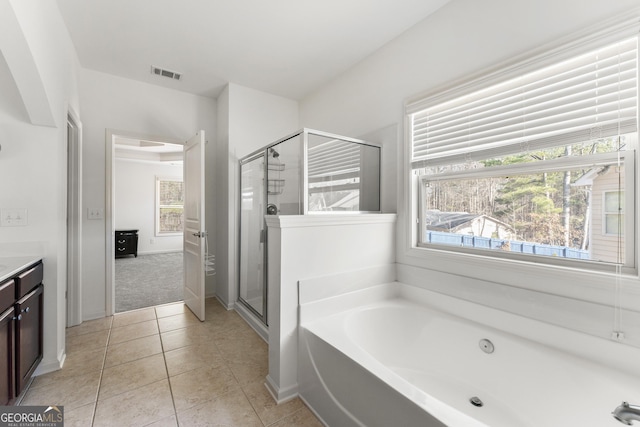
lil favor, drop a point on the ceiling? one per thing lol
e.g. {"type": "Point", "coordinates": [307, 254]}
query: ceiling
{"type": "Point", "coordinates": [283, 47]}
{"type": "Point", "coordinates": [147, 151]}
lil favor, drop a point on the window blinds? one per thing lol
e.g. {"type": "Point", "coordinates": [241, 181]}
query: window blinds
{"type": "Point", "coordinates": [332, 159]}
{"type": "Point", "coordinates": [594, 95]}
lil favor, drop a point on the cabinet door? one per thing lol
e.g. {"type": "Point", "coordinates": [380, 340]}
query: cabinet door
{"type": "Point", "coordinates": [6, 356]}
{"type": "Point", "coordinates": [28, 336]}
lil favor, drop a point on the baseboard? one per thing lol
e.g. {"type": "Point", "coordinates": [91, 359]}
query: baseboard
{"type": "Point", "coordinates": [50, 366]}
{"type": "Point", "coordinates": [225, 304]}
{"type": "Point", "coordinates": [165, 251]}
{"type": "Point", "coordinates": [93, 316]}
{"type": "Point", "coordinates": [281, 396]}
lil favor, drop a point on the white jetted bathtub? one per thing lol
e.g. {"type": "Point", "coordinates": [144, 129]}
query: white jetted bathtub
{"type": "Point", "coordinates": [398, 362]}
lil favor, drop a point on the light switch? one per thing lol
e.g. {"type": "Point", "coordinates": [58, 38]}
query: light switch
{"type": "Point", "coordinates": [13, 217]}
{"type": "Point", "coordinates": [94, 213]}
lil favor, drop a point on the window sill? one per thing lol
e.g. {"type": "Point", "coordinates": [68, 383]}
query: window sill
{"type": "Point", "coordinates": [575, 283]}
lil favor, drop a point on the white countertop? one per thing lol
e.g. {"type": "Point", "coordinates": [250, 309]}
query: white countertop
{"type": "Point", "coordinates": [10, 265]}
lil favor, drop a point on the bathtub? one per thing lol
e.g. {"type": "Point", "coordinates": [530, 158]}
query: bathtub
{"type": "Point", "coordinates": [397, 362]}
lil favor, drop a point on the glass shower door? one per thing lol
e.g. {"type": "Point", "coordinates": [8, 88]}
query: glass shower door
{"type": "Point", "coordinates": [252, 235]}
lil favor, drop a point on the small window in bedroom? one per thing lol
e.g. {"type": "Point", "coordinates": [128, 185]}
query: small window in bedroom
{"type": "Point", "coordinates": [539, 167]}
{"type": "Point", "coordinates": [169, 206]}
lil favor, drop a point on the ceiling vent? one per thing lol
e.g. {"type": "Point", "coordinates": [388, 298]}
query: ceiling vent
{"type": "Point", "coordinates": [166, 73]}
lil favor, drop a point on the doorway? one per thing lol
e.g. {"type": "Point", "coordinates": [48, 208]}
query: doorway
{"type": "Point", "coordinates": [144, 221]}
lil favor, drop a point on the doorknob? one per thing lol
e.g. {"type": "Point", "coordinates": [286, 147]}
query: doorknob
{"type": "Point", "coordinates": [200, 234]}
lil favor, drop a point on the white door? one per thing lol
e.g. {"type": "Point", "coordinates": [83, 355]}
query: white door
{"type": "Point", "coordinates": [194, 227]}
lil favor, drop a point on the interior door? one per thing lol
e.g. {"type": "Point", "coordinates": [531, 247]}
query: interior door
{"type": "Point", "coordinates": [194, 226]}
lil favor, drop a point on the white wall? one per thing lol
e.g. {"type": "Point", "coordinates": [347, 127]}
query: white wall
{"type": "Point", "coordinates": [254, 119]}
{"type": "Point", "coordinates": [388, 137]}
{"type": "Point", "coordinates": [110, 102]}
{"type": "Point", "coordinates": [33, 158]}
{"type": "Point", "coordinates": [134, 196]}
{"type": "Point", "coordinates": [304, 247]}
{"type": "Point", "coordinates": [463, 37]}
{"type": "Point", "coordinates": [459, 41]}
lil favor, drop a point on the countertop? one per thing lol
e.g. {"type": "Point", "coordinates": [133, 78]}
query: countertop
{"type": "Point", "coordinates": [10, 265]}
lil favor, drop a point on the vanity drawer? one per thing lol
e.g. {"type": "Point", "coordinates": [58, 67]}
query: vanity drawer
{"type": "Point", "coordinates": [28, 280]}
{"type": "Point", "coordinates": [7, 294]}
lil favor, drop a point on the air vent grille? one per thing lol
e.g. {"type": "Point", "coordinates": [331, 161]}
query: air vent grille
{"type": "Point", "coordinates": [165, 73]}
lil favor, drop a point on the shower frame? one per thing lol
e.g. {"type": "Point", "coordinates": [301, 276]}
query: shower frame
{"type": "Point", "coordinates": [303, 197]}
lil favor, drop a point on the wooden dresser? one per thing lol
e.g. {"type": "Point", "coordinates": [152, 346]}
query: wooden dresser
{"type": "Point", "coordinates": [126, 243]}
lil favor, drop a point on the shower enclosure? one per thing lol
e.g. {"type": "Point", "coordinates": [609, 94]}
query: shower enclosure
{"type": "Point", "coordinates": [309, 172]}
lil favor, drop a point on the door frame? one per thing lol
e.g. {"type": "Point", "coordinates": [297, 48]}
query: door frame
{"type": "Point", "coordinates": [74, 219]}
{"type": "Point", "coordinates": [110, 136]}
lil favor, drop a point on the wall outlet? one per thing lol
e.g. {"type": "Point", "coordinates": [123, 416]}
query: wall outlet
{"type": "Point", "coordinates": [152, 241]}
{"type": "Point", "coordinates": [13, 217]}
{"type": "Point", "coordinates": [95, 213]}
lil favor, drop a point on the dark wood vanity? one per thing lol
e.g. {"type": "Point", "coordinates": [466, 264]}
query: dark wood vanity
{"type": "Point", "coordinates": [21, 322]}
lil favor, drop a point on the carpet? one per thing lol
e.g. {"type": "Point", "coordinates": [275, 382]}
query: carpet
{"type": "Point", "coordinates": [148, 280]}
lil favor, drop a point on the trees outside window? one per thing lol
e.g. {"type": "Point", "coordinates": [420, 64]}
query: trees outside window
{"type": "Point", "coordinates": [543, 206]}
{"type": "Point", "coordinates": [170, 206]}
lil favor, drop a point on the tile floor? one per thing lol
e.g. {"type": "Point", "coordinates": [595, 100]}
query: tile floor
{"type": "Point", "coordinates": [160, 366]}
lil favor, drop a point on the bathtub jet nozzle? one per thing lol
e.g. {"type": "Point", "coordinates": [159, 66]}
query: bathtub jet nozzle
{"type": "Point", "coordinates": [475, 401]}
{"type": "Point", "coordinates": [626, 413]}
{"type": "Point", "coordinates": [486, 346]}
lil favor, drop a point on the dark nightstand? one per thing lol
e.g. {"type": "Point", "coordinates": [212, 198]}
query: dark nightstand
{"type": "Point", "coordinates": [126, 243]}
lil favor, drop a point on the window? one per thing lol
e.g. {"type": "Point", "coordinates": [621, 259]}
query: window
{"type": "Point", "coordinates": [169, 206]}
{"type": "Point", "coordinates": [613, 212]}
{"type": "Point", "coordinates": [528, 166]}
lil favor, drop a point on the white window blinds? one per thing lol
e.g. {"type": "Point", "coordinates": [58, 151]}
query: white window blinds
{"type": "Point", "coordinates": [593, 95]}
{"type": "Point", "coordinates": [332, 158]}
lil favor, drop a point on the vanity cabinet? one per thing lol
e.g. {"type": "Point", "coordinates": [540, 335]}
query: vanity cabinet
{"type": "Point", "coordinates": [126, 243]}
{"type": "Point", "coordinates": [21, 323]}
{"type": "Point", "coordinates": [7, 350]}
{"type": "Point", "coordinates": [28, 337]}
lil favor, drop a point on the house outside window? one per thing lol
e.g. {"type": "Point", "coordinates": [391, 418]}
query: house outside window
{"type": "Point", "coordinates": [606, 237]}
{"type": "Point", "coordinates": [169, 206]}
{"type": "Point", "coordinates": [613, 213]}
{"type": "Point", "coordinates": [509, 170]}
